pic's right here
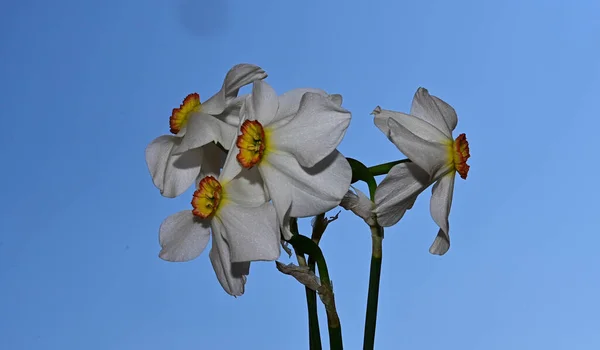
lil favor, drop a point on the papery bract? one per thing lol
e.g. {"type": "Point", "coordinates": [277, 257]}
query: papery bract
{"type": "Point", "coordinates": [175, 160]}
{"type": "Point", "coordinates": [292, 140]}
{"type": "Point", "coordinates": [425, 137]}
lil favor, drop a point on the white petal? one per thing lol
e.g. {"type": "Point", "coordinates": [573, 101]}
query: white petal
{"type": "Point", "coordinates": [431, 156]}
{"type": "Point", "coordinates": [398, 191]}
{"type": "Point", "coordinates": [252, 234]}
{"type": "Point", "coordinates": [183, 237]}
{"type": "Point", "coordinates": [434, 111]}
{"type": "Point", "coordinates": [441, 202]}
{"type": "Point", "coordinates": [232, 114]}
{"type": "Point", "coordinates": [302, 192]}
{"type": "Point", "coordinates": [246, 189]}
{"type": "Point", "coordinates": [231, 276]}
{"type": "Point", "coordinates": [289, 103]}
{"type": "Point", "coordinates": [314, 132]}
{"type": "Point", "coordinates": [202, 129]}
{"type": "Point", "coordinates": [172, 174]}
{"type": "Point", "coordinates": [237, 77]}
{"type": "Point", "coordinates": [263, 103]}
{"type": "Point", "coordinates": [336, 98]}
{"type": "Point", "coordinates": [359, 204]}
{"type": "Point", "coordinates": [212, 161]}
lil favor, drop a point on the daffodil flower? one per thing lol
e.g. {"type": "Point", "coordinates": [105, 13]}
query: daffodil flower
{"type": "Point", "coordinates": [234, 210]}
{"type": "Point", "coordinates": [292, 140]}
{"type": "Point", "coordinates": [425, 137]}
{"type": "Point", "coordinates": [175, 160]}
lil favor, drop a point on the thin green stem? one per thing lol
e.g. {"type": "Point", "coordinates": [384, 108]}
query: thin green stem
{"type": "Point", "coordinates": [309, 247]}
{"type": "Point", "coordinates": [314, 332]}
{"type": "Point", "coordinates": [385, 168]}
{"type": "Point", "coordinates": [374, 278]}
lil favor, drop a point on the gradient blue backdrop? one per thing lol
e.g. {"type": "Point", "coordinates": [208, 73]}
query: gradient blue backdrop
{"type": "Point", "coordinates": [85, 86]}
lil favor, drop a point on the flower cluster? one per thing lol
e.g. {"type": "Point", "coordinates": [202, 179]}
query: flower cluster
{"type": "Point", "coordinates": [260, 159]}
{"type": "Point", "coordinates": [256, 161]}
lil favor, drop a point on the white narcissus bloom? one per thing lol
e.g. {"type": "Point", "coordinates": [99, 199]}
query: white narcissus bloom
{"type": "Point", "coordinates": [175, 160]}
{"type": "Point", "coordinates": [235, 209]}
{"type": "Point", "coordinates": [292, 140]}
{"type": "Point", "coordinates": [425, 137]}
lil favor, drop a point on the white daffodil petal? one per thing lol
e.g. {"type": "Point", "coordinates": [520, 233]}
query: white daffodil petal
{"type": "Point", "coordinates": [183, 237]}
{"type": "Point", "coordinates": [246, 189]}
{"type": "Point", "coordinates": [252, 234]}
{"type": "Point", "coordinates": [263, 103]}
{"type": "Point", "coordinates": [289, 102]}
{"type": "Point", "coordinates": [381, 117]}
{"type": "Point", "coordinates": [431, 156]}
{"type": "Point", "coordinates": [237, 77]}
{"type": "Point", "coordinates": [232, 114]}
{"type": "Point", "coordinates": [441, 202]}
{"type": "Point", "coordinates": [314, 132]}
{"type": "Point", "coordinates": [305, 191]}
{"type": "Point", "coordinates": [337, 99]}
{"type": "Point", "coordinates": [359, 204]}
{"type": "Point", "coordinates": [172, 174]}
{"type": "Point", "coordinates": [212, 161]}
{"type": "Point", "coordinates": [231, 276]}
{"type": "Point", "coordinates": [398, 191]}
{"type": "Point", "coordinates": [434, 111]}
{"type": "Point", "coordinates": [202, 129]}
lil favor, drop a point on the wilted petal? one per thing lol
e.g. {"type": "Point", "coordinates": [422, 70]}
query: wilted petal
{"type": "Point", "coordinates": [263, 103]}
{"type": "Point", "coordinates": [431, 156]}
{"type": "Point", "coordinates": [441, 202]}
{"type": "Point", "coordinates": [237, 77]}
{"type": "Point", "coordinates": [434, 111]}
{"type": "Point", "coordinates": [398, 192]}
{"type": "Point", "coordinates": [359, 204]}
{"type": "Point", "coordinates": [302, 274]}
{"type": "Point", "coordinates": [172, 174]}
{"type": "Point", "coordinates": [183, 237]}
{"type": "Point", "coordinates": [314, 132]}
{"type": "Point", "coordinates": [302, 192]}
{"type": "Point", "coordinates": [252, 234]}
{"type": "Point", "coordinates": [202, 129]}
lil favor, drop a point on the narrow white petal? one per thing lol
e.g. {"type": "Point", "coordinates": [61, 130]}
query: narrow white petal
{"type": "Point", "coordinates": [183, 237]}
{"type": "Point", "coordinates": [441, 202]}
{"type": "Point", "coordinates": [434, 111]}
{"type": "Point", "coordinates": [246, 189]}
{"type": "Point", "coordinates": [302, 192]}
{"type": "Point", "coordinates": [252, 234]}
{"type": "Point", "coordinates": [237, 77]}
{"type": "Point", "coordinates": [337, 99]}
{"type": "Point", "coordinates": [231, 276]}
{"type": "Point", "coordinates": [432, 156]}
{"type": "Point", "coordinates": [314, 132]}
{"type": "Point", "coordinates": [262, 104]}
{"type": "Point", "coordinates": [202, 129]}
{"type": "Point", "coordinates": [359, 204]}
{"type": "Point", "coordinates": [172, 174]}
{"type": "Point", "coordinates": [381, 117]}
{"type": "Point", "coordinates": [398, 191]}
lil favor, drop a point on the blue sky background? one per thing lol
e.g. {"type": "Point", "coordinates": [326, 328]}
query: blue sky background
{"type": "Point", "coordinates": [85, 86]}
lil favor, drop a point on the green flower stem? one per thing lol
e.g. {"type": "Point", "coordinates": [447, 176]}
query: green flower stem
{"type": "Point", "coordinates": [383, 169]}
{"type": "Point", "coordinates": [314, 332]}
{"type": "Point", "coordinates": [374, 278]}
{"type": "Point", "coordinates": [308, 246]}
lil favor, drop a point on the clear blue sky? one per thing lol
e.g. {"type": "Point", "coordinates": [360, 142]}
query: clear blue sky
{"type": "Point", "coordinates": [85, 86]}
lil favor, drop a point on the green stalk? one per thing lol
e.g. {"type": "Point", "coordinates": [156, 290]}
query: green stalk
{"type": "Point", "coordinates": [314, 332]}
{"type": "Point", "coordinates": [383, 169]}
{"type": "Point", "coordinates": [374, 278]}
{"type": "Point", "coordinates": [309, 247]}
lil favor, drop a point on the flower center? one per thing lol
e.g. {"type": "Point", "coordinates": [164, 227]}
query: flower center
{"type": "Point", "coordinates": [461, 155]}
{"type": "Point", "coordinates": [180, 116]}
{"type": "Point", "coordinates": [207, 197]}
{"type": "Point", "coordinates": [252, 144]}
